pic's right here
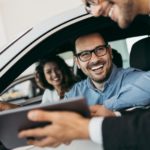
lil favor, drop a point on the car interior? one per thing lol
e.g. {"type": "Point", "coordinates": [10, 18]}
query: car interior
{"type": "Point", "coordinates": [62, 42]}
{"type": "Point", "coordinates": [140, 54]}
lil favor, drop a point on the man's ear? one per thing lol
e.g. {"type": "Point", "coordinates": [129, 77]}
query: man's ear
{"type": "Point", "coordinates": [77, 62]}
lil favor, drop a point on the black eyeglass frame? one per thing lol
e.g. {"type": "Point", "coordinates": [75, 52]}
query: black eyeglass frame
{"type": "Point", "coordinates": [78, 55]}
{"type": "Point", "coordinates": [89, 3]}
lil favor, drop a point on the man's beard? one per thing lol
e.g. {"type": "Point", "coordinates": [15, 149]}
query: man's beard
{"type": "Point", "coordinates": [105, 77]}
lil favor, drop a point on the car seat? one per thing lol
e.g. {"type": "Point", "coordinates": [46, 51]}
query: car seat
{"type": "Point", "coordinates": [117, 58]}
{"type": "Point", "coordinates": [140, 54]}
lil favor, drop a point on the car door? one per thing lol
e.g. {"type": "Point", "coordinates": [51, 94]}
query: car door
{"type": "Point", "coordinates": [54, 36]}
{"type": "Point", "coordinates": [23, 91]}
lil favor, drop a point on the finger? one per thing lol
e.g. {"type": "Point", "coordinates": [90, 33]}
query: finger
{"type": "Point", "coordinates": [67, 142]}
{"type": "Point", "coordinates": [37, 132]}
{"type": "Point", "coordinates": [94, 108]}
{"type": "Point", "coordinates": [40, 115]}
{"type": "Point", "coordinates": [95, 114]}
{"type": "Point", "coordinates": [105, 8]}
{"type": "Point", "coordinates": [92, 113]}
{"type": "Point", "coordinates": [47, 141]}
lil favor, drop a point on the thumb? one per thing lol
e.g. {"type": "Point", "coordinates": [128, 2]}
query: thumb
{"type": "Point", "coordinates": [41, 115]}
{"type": "Point", "coordinates": [93, 108]}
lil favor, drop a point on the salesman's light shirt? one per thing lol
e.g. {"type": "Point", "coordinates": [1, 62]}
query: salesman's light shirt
{"type": "Point", "coordinates": [119, 82]}
{"type": "Point", "coordinates": [95, 129]}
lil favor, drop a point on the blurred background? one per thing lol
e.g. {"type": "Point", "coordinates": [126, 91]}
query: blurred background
{"type": "Point", "coordinates": [17, 16]}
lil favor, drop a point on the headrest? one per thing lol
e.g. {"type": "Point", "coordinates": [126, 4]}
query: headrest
{"type": "Point", "coordinates": [117, 58]}
{"type": "Point", "coordinates": [140, 54]}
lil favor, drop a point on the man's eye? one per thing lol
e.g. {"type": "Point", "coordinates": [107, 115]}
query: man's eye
{"type": "Point", "coordinates": [100, 49]}
{"type": "Point", "coordinates": [85, 54]}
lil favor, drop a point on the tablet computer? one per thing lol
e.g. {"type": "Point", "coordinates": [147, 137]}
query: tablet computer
{"type": "Point", "coordinates": [14, 120]}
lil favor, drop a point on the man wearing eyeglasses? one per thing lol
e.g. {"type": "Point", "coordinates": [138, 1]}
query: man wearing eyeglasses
{"type": "Point", "coordinates": [121, 11]}
{"type": "Point", "coordinates": [129, 132]}
{"type": "Point", "coordinates": [106, 84]}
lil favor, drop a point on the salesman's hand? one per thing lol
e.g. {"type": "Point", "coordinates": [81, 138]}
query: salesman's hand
{"type": "Point", "coordinates": [100, 110]}
{"type": "Point", "coordinates": [6, 106]}
{"type": "Point", "coordinates": [65, 127]}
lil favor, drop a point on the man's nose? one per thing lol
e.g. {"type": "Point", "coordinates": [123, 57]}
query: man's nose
{"type": "Point", "coordinates": [94, 58]}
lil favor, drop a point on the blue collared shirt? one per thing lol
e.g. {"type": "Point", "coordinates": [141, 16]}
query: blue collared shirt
{"type": "Point", "coordinates": [125, 88]}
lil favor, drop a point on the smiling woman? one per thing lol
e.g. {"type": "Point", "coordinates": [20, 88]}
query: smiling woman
{"type": "Point", "coordinates": [56, 76]}
{"type": "Point", "coordinates": [52, 74]}
{"type": "Point", "coordinates": [55, 36]}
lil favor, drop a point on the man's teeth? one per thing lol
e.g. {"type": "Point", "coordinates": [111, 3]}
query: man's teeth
{"type": "Point", "coordinates": [97, 67]}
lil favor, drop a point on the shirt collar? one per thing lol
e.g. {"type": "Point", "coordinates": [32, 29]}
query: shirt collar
{"type": "Point", "coordinates": [112, 75]}
{"type": "Point", "coordinates": [109, 80]}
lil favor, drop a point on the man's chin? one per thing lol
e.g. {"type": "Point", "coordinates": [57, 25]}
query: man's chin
{"type": "Point", "coordinates": [99, 80]}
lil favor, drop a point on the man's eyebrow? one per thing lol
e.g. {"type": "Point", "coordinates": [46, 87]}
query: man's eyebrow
{"type": "Point", "coordinates": [111, 1]}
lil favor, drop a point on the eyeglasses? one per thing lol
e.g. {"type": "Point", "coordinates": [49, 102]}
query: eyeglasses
{"type": "Point", "coordinates": [86, 55]}
{"type": "Point", "coordinates": [89, 3]}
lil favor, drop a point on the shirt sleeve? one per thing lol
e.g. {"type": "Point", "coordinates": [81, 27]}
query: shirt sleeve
{"type": "Point", "coordinates": [117, 113]}
{"type": "Point", "coordinates": [95, 130]}
{"type": "Point", "coordinates": [131, 95]}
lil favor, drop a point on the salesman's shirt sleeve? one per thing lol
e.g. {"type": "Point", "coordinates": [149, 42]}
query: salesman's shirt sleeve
{"type": "Point", "coordinates": [95, 130]}
{"type": "Point", "coordinates": [131, 95]}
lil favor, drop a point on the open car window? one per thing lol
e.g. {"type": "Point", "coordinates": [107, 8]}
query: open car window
{"type": "Point", "coordinates": [26, 90]}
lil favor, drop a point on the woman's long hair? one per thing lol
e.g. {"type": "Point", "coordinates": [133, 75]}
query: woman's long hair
{"type": "Point", "coordinates": [68, 77]}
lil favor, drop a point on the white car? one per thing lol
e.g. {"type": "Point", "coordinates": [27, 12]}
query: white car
{"type": "Point", "coordinates": [56, 36]}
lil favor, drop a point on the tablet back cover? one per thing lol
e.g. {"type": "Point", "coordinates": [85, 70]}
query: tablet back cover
{"type": "Point", "coordinates": [12, 121]}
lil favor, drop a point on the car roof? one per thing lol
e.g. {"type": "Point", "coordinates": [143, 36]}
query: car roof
{"type": "Point", "coordinates": [57, 35]}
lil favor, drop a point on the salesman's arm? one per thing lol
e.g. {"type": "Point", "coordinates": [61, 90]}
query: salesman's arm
{"type": "Point", "coordinates": [64, 127]}
{"type": "Point", "coordinates": [130, 132]}
{"type": "Point", "coordinates": [69, 125]}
